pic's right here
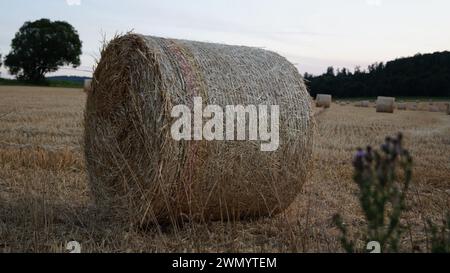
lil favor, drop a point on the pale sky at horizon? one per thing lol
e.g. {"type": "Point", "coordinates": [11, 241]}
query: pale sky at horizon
{"type": "Point", "coordinates": [311, 34]}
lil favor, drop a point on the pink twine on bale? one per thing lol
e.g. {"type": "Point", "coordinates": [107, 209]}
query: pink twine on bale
{"type": "Point", "coordinates": [192, 86]}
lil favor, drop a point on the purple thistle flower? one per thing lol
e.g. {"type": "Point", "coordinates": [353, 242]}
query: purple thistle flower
{"type": "Point", "coordinates": [358, 159]}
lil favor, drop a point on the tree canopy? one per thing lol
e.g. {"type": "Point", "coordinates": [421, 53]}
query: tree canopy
{"type": "Point", "coordinates": [426, 75]}
{"type": "Point", "coordinates": [42, 46]}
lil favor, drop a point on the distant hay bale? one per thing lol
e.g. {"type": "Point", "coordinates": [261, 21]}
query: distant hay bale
{"type": "Point", "coordinates": [87, 85]}
{"type": "Point", "coordinates": [401, 106]}
{"type": "Point", "coordinates": [139, 172]}
{"type": "Point", "coordinates": [423, 106]}
{"type": "Point", "coordinates": [364, 103]}
{"type": "Point", "coordinates": [448, 108]}
{"type": "Point", "coordinates": [411, 106]}
{"type": "Point", "coordinates": [385, 104]}
{"type": "Point", "coordinates": [433, 108]}
{"type": "Point", "coordinates": [442, 107]}
{"type": "Point", "coordinates": [323, 100]}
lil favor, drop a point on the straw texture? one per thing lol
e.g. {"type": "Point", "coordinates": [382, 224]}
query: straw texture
{"type": "Point", "coordinates": [135, 167]}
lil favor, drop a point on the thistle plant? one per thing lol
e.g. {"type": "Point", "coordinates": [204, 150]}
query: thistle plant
{"type": "Point", "coordinates": [383, 178]}
{"type": "Point", "coordinates": [440, 236]}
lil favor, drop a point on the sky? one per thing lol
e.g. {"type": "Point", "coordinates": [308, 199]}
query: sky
{"type": "Point", "coordinates": [311, 34]}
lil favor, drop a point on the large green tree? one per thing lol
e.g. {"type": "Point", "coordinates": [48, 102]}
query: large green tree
{"type": "Point", "coordinates": [42, 46]}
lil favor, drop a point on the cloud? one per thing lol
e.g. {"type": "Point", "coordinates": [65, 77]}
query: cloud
{"type": "Point", "coordinates": [73, 2]}
{"type": "Point", "coordinates": [374, 3]}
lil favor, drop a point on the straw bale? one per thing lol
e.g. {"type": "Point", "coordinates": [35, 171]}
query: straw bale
{"type": "Point", "coordinates": [323, 100]}
{"type": "Point", "coordinates": [402, 106]}
{"type": "Point", "coordinates": [87, 85]}
{"type": "Point", "coordinates": [137, 170]}
{"type": "Point", "coordinates": [385, 104]}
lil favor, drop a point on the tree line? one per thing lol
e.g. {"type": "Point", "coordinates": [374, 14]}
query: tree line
{"type": "Point", "coordinates": [423, 75]}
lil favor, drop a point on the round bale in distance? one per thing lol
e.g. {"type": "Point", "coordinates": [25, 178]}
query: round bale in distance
{"type": "Point", "coordinates": [401, 106]}
{"type": "Point", "coordinates": [87, 85]}
{"type": "Point", "coordinates": [364, 103]}
{"type": "Point", "coordinates": [433, 108]}
{"type": "Point", "coordinates": [385, 104]}
{"type": "Point", "coordinates": [323, 100]}
{"type": "Point", "coordinates": [137, 170]}
{"type": "Point", "coordinates": [412, 106]}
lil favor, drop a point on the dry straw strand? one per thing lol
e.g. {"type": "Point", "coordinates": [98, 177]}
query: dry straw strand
{"type": "Point", "coordinates": [135, 167]}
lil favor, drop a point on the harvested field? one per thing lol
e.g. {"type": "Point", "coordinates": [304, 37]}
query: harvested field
{"type": "Point", "coordinates": [45, 200]}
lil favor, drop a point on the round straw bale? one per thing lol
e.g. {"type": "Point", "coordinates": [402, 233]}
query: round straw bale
{"type": "Point", "coordinates": [323, 100]}
{"type": "Point", "coordinates": [401, 106]}
{"type": "Point", "coordinates": [411, 106]}
{"type": "Point", "coordinates": [442, 106]}
{"type": "Point", "coordinates": [365, 103]}
{"type": "Point", "coordinates": [136, 169]}
{"type": "Point", "coordinates": [433, 108]}
{"type": "Point", "coordinates": [448, 109]}
{"type": "Point", "coordinates": [422, 106]}
{"type": "Point", "coordinates": [87, 85]}
{"type": "Point", "coordinates": [385, 104]}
